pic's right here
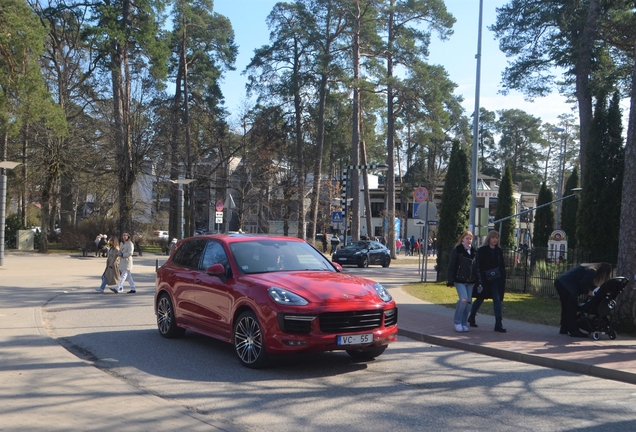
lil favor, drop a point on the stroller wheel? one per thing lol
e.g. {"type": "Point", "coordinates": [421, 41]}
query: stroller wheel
{"type": "Point", "coordinates": [612, 334]}
{"type": "Point", "coordinates": [596, 335]}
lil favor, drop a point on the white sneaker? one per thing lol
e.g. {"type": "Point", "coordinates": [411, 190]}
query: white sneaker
{"type": "Point", "coordinates": [464, 328]}
{"type": "Point", "coordinates": [458, 328]}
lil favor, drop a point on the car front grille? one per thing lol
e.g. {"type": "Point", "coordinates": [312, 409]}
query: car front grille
{"type": "Point", "coordinates": [338, 322]}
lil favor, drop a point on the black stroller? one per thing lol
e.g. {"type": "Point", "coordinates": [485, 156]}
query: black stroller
{"type": "Point", "coordinates": [595, 314]}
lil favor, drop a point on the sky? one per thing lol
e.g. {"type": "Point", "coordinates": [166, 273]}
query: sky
{"type": "Point", "coordinates": [457, 55]}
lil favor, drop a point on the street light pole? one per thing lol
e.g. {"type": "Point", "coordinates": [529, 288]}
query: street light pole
{"type": "Point", "coordinates": [473, 171]}
{"type": "Point", "coordinates": [4, 165]}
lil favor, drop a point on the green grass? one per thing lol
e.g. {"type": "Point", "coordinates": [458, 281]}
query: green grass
{"type": "Point", "coordinates": [516, 306]}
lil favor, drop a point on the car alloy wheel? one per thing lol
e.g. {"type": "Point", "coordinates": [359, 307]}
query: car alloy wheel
{"type": "Point", "coordinates": [364, 262]}
{"type": "Point", "coordinates": [166, 323]}
{"type": "Point", "coordinates": [249, 341]}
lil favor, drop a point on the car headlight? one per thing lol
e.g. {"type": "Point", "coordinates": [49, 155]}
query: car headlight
{"type": "Point", "coordinates": [382, 292]}
{"type": "Point", "coordinates": [282, 296]}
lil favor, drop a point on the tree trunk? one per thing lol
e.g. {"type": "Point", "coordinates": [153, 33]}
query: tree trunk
{"type": "Point", "coordinates": [390, 145]}
{"type": "Point", "coordinates": [175, 227]}
{"type": "Point", "coordinates": [190, 205]}
{"type": "Point", "coordinates": [300, 164]}
{"type": "Point", "coordinates": [627, 237]}
{"type": "Point", "coordinates": [583, 69]}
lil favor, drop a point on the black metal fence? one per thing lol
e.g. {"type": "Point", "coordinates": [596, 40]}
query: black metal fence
{"type": "Point", "coordinates": [534, 270]}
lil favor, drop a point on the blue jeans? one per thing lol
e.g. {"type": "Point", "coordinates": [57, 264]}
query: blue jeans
{"type": "Point", "coordinates": [462, 309]}
{"type": "Point", "coordinates": [496, 301]}
{"type": "Point", "coordinates": [103, 286]}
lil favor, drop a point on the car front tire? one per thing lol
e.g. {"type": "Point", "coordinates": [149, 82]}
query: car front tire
{"type": "Point", "coordinates": [166, 323]}
{"type": "Point", "coordinates": [365, 354]}
{"type": "Point", "coordinates": [249, 341]}
{"type": "Point", "coordinates": [386, 262]}
{"type": "Point", "coordinates": [364, 262]}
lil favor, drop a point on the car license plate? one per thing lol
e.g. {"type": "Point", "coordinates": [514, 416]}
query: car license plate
{"type": "Point", "coordinates": [356, 339]}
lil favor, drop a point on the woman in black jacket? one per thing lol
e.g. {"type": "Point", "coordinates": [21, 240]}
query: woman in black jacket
{"type": "Point", "coordinates": [582, 279]}
{"type": "Point", "coordinates": [462, 274]}
{"type": "Point", "coordinates": [492, 278]}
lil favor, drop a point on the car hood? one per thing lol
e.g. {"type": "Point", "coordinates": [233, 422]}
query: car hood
{"type": "Point", "coordinates": [323, 287]}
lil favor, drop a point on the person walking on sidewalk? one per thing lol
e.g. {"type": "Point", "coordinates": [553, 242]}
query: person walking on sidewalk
{"type": "Point", "coordinates": [582, 279]}
{"type": "Point", "coordinates": [111, 273]}
{"type": "Point", "coordinates": [462, 274]}
{"type": "Point", "coordinates": [492, 279]}
{"type": "Point", "coordinates": [126, 265]}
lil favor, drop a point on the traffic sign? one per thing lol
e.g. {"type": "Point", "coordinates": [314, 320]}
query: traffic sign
{"type": "Point", "coordinates": [336, 217]}
{"type": "Point", "coordinates": [427, 211]}
{"type": "Point", "coordinates": [219, 217]}
{"type": "Point", "coordinates": [420, 194]}
{"type": "Point", "coordinates": [219, 206]}
{"type": "Point", "coordinates": [433, 222]}
{"type": "Point", "coordinates": [419, 223]}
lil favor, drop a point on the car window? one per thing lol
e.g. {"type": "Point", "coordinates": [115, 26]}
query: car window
{"type": "Point", "coordinates": [213, 254]}
{"type": "Point", "coordinates": [189, 254]}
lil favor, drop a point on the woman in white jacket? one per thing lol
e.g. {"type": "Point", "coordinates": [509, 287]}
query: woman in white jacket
{"type": "Point", "coordinates": [125, 265]}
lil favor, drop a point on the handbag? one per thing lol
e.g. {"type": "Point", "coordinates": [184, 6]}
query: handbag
{"type": "Point", "coordinates": [493, 274]}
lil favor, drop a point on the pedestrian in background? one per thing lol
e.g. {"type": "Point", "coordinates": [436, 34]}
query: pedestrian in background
{"type": "Point", "coordinates": [398, 246]}
{"type": "Point", "coordinates": [462, 274]}
{"type": "Point", "coordinates": [111, 273]}
{"type": "Point", "coordinates": [492, 279]}
{"type": "Point", "coordinates": [582, 279]}
{"type": "Point", "coordinates": [126, 265]}
{"type": "Point", "coordinates": [335, 241]}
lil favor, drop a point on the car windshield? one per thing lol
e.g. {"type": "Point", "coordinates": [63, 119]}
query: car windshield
{"type": "Point", "coordinates": [358, 245]}
{"type": "Point", "coordinates": [264, 256]}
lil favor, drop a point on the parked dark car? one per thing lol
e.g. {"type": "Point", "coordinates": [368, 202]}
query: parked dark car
{"type": "Point", "coordinates": [363, 253]}
{"type": "Point", "coordinates": [271, 296]}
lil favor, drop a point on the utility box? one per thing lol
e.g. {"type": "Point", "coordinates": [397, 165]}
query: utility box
{"type": "Point", "coordinates": [25, 240]}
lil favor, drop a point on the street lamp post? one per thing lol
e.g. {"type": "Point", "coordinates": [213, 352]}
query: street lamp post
{"type": "Point", "coordinates": [180, 182]}
{"type": "Point", "coordinates": [345, 180]}
{"type": "Point", "coordinates": [4, 165]}
{"type": "Point", "coordinates": [473, 170]}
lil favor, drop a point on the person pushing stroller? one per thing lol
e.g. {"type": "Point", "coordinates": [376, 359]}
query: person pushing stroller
{"type": "Point", "coordinates": [582, 279]}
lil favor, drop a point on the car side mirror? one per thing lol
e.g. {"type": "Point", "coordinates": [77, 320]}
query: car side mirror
{"type": "Point", "coordinates": [217, 270]}
{"type": "Point", "coordinates": [337, 266]}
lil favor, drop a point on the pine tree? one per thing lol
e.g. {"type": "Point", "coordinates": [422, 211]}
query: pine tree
{"type": "Point", "coordinates": [599, 212]}
{"type": "Point", "coordinates": [569, 209]}
{"type": "Point", "coordinates": [544, 218]}
{"type": "Point", "coordinates": [505, 208]}
{"type": "Point", "coordinates": [454, 208]}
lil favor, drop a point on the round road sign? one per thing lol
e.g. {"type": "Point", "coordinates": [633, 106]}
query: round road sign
{"type": "Point", "coordinates": [420, 194]}
{"type": "Point", "coordinates": [219, 205]}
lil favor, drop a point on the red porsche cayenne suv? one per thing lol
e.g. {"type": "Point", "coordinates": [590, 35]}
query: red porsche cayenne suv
{"type": "Point", "coordinates": [271, 296]}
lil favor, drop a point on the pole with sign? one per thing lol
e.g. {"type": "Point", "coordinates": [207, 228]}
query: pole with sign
{"type": "Point", "coordinates": [427, 212]}
{"type": "Point", "coordinates": [219, 215]}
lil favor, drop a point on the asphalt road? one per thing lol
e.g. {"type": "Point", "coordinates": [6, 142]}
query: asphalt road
{"type": "Point", "coordinates": [412, 386]}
